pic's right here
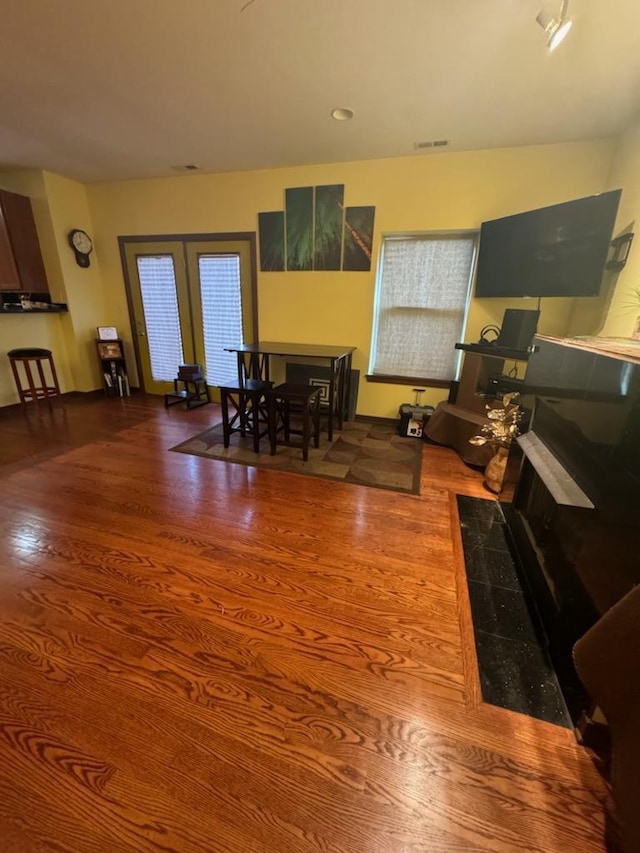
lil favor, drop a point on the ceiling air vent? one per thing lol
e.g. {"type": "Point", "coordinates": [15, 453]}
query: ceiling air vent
{"type": "Point", "coordinates": [431, 143]}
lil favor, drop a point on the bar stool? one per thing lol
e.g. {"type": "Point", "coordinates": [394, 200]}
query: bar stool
{"type": "Point", "coordinates": [28, 358]}
{"type": "Point", "coordinates": [304, 400]}
{"type": "Point", "coordinates": [245, 400]}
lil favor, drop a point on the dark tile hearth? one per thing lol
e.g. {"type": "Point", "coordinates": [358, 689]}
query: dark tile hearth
{"type": "Point", "coordinates": [515, 670]}
{"type": "Point", "coordinates": [519, 676]}
{"type": "Point", "coordinates": [501, 612]}
{"type": "Point", "coordinates": [490, 566]}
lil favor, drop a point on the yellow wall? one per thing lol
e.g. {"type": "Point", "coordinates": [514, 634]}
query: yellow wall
{"type": "Point", "coordinates": [36, 330]}
{"type": "Point", "coordinates": [59, 204]}
{"type": "Point", "coordinates": [624, 309]}
{"type": "Point", "coordinates": [421, 193]}
{"type": "Point", "coordinates": [85, 296]}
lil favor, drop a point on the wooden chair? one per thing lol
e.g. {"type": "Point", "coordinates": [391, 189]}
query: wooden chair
{"type": "Point", "coordinates": [36, 388]}
{"type": "Point", "coordinates": [244, 410]}
{"type": "Point", "coordinates": [302, 401]}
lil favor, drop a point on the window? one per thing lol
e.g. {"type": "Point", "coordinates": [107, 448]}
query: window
{"type": "Point", "coordinates": [422, 296]}
{"type": "Point", "coordinates": [221, 296]}
{"type": "Point", "coordinates": [162, 321]}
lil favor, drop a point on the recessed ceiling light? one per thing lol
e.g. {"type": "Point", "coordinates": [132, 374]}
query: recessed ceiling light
{"type": "Point", "coordinates": [342, 114]}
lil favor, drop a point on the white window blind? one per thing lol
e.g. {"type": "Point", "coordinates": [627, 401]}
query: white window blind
{"type": "Point", "coordinates": [161, 317]}
{"type": "Point", "coordinates": [221, 297]}
{"type": "Point", "coordinates": [421, 301]}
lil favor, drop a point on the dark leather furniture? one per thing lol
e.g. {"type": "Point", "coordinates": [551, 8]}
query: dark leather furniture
{"type": "Point", "coordinates": [607, 658]}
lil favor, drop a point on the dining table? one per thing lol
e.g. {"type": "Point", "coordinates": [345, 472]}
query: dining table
{"type": "Point", "coordinates": [254, 362]}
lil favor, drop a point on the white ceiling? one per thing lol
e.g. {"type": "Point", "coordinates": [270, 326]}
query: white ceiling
{"type": "Point", "coordinates": [115, 89]}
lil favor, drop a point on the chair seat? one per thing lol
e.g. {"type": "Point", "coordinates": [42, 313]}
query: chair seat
{"type": "Point", "coordinates": [248, 386]}
{"type": "Point", "coordinates": [32, 352]}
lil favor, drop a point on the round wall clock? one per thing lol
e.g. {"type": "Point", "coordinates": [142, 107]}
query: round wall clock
{"type": "Point", "coordinates": [82, 246]}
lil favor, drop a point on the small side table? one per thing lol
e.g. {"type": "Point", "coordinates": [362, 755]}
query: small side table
{"type": "Point", "coordinates": [189, 387]}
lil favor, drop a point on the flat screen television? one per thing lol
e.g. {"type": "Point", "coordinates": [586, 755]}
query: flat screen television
{"type": "Point", "coordinates": [559, 250]}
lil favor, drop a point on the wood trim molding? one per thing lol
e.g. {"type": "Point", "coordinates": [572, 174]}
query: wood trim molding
{"type": "Point", "coordinates": [408, 380]}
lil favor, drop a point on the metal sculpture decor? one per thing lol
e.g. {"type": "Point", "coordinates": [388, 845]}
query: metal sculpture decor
{"type": "Point", "coordinates": [503, 425]}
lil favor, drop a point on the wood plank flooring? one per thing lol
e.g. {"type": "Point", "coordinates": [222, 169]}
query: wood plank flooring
{"type": "Point", "coordinates": [199, 656]}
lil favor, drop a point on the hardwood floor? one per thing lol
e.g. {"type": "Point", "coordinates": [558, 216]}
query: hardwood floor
{"type": "Point", "coordinates": [199, 656]}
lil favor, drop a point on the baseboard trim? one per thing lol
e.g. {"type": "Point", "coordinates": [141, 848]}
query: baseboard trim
{"type": "Point", "coordinates": [371, 419]}
{"type": "Point", "coordinates": [67, 395]}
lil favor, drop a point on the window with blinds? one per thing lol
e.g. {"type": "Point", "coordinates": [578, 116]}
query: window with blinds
{"type": "Point", "coordinates": [422, 298]}
{"type": "Point", "coordinates": [161, 317]}
{"type": "Point", "coordinates": [221, 299]}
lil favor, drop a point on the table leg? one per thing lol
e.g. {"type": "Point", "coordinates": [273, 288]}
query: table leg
{"type": "Point", "coordinates": [226, 432]}
{"type": "Point", "coordinates": [340, 371]}
{"type": "Point", "coordinates": [242, 413]}
{"type": "Point", "coordinates": [306, 429]}
{"type": "Point", "coordinates": [332, 399]}
{"type": "Point", "coordinates": [242, 368]}
{"type": "Point", "coordinates": [255, 414]}
{"type": "Point", "coordinates": [346, 397]}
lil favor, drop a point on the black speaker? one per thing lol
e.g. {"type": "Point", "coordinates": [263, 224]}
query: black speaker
{"type": "Point", "coordinates": [518, 328]}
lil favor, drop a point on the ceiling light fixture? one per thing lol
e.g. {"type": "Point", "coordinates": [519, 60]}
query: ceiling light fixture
{"type": "Point", "coordinates": [555, 28]}
{"type": "Point", "coordinates": [342, 114]}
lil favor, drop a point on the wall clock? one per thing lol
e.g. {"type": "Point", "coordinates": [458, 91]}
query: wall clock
{"type": "Point", "coordinates": [82, 246]}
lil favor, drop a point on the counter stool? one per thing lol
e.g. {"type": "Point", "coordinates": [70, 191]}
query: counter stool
{"type": "Point", "coordinates": [244, 410]}
{"type": "Point", "coordinates": [46, 389]}
{"type": "Point", "coordinates": [302, 400]}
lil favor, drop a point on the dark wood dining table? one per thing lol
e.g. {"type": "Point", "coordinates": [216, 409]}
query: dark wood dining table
{"type": "Point", "coordinates": [254, 362]}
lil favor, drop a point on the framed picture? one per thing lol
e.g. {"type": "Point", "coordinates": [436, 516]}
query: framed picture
{"type": "Point", "coordinates": [109, 349]}
{"type": "Point", "coordinates": [107, 333]}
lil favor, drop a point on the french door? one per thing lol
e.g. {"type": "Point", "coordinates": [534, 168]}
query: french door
{"type": "Point", "coordinates": [189, 298]}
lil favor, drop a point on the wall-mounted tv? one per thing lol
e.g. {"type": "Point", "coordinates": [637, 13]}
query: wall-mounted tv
{"type": "Point", "coordinates": [553, 251]}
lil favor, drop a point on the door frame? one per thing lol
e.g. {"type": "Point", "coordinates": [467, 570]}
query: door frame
{"type": "Point", "coordinates": [127, 240]}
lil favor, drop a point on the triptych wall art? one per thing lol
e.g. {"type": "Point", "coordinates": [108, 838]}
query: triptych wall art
{"type": "Point", "coordinates": [316, 232]}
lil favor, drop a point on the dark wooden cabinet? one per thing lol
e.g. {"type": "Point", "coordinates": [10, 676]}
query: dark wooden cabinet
{"type": "Point", "coordinates": [21, 266]}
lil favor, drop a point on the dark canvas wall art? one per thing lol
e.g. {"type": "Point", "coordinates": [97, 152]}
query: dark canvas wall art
{"type": "Point", "coordinates": [316, 232]}
{"type": "Point", "coordinates": [299, 220]}
{"type": "Point", "coordinates": [358, 238]}
{"type": "Point", "coordinates": [328, 227]}
{"type": "Point", "coordinates": [271, 229]}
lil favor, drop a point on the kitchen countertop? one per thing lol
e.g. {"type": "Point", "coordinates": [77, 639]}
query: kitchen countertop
{"type": "Point", "coordinates": [57, 308]}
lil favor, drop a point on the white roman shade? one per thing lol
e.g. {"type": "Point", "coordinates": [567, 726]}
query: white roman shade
{"type": "Point", "coordinates": [421, 302]}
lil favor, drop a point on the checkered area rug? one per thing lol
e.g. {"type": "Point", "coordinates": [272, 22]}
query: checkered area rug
{"type": "Point", "coordinates": [368, 454]}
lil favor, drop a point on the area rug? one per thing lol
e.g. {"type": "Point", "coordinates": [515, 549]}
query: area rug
{"type": "Point", "coordinates": [364, 453]}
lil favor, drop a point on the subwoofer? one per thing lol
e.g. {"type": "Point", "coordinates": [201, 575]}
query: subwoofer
{"type": "Point", "coordinates": [518, 328]}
